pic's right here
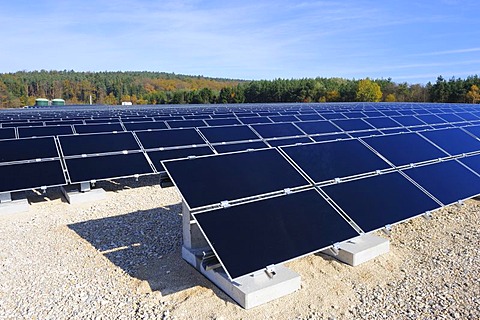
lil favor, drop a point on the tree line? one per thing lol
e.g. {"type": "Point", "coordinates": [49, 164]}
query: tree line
{"type": "Point", "coordinates": [111, 88]}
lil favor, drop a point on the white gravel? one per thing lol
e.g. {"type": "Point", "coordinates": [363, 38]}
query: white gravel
{"type": "Point", "coordinates": [120, 259]}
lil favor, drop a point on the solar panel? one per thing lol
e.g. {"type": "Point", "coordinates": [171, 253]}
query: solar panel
{"type": "Point", "coordinates": [475, 130]}
{"type": "Point", "coordinates": [96, 128]}
{"type": "Point", "coordinates": [232, 147]}
{"type": "Point", "coordinates": [211, 180]}
{"type": "Point", "coordinates": [228, 134]}
{"type": "Point", "coordinates": [86, 169]}
{"type": "Point", "coordinates": [222, 122]}
{"type": "Point", "coordinates": [254, 120]}
{"type": "Point", "coordinates": [352, 124]}
{"type": "Point", "coordinates": [7, 133]}
{"type": "Point", "coordinates": [25, 176]}
{"type": "Point", "coordinates": [362, 134]}
{"type": "Point", "coordinates": [430, 119]}
{"type": "Point", "coordinates": [327, 161]}
{"type": "Point", "coordinates": [28, 149]}
{"type": "Point", "coordinates": [377, 201]}
{"type": "Point", "coordinates": [404, 149]}
{"type": "Point", "coordinates": [169, 138]}
{"type": "Point", "coordinates": [98, 143]}
{"type": "Point", "coordinates": [160, 155]}
{"type": "Point", "coordinates": [318, 127]}
{"type": "Point", "coordinates": [448, 181]}
{"type": "Point", "coordinates": [276, 130]}
{"type": "Point", "coordinates": [290, 118]}
{"type": "Point", "coordinates": [250, 237]}
{"type": "Point", "coordinates": [145, 125]}
{"type": "Point", "coordinates": [408, 121]}
{"type": "Point", "coordinates": [26, 132]}
{"type": "Point", "coordinates": [330, 137]}
{"type": "Point", "coordinates": [186, 123]}
{"type": "Point", "coordinates": [288, 141]}
{"type": "Point", "coordinates": [454, 141]}
{"type": "Point", "coordinates": [383, 123]}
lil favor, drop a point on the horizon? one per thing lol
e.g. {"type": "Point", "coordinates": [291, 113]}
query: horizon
{"type": "Point", "coordinates": [263, 40]}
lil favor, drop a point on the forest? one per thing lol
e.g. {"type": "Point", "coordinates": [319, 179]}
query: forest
{"type": "Point", "coordinates": [22, 88]}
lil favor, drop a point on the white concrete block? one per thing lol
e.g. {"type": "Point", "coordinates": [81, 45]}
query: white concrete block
{"type": "Point", "coordinates": [77, 197]}
{"type": "Point", "coordinates": [14, 206]}
{"type": "Point", "coordinates": [361, 249]}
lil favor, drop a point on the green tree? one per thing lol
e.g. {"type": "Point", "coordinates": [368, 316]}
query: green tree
{"type": "Point", "coordinates": [368, 91]}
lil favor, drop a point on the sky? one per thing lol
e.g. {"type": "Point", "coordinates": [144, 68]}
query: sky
{"type": "Point", "coordinates": [408, 41]}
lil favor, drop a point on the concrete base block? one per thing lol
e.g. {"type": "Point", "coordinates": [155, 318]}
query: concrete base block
{"type": "Point", "coordinates": [13, 207]}
{"type": "Point", "coordinates": [73, 196]}
{"type": "Point", "coordinates": [251, 290]}
{"type": "Point", "coordinates": [360, 249]}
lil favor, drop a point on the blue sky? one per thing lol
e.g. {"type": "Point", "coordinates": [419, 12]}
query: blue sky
{"type": "Point", "coordinates": [409, 41]}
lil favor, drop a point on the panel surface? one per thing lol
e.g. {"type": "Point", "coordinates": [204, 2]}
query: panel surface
{"type": "Point", "coordinates": [98, 143]}
{"type": "Point", "coordinates": [352, 124]}
{"type": "Point", "coordinates": [145, 125]}
{"type": "Point", "coordinates": [27, 149]}
{"type": "Point", "coordinates": [408, 121]}
{"type": "Point", "coordinates": [406, 148]}
{"type": "Point", "coordinates": [228, 134]}
{"type": "Point", "coordinates": [160, 155]}
{"type": "Point", "coordinates": [27, 132]}
{"type": "Point", "coordinates": [447, 181]}
{"type": "Point", "coordinates": [377, 201]}
{"type": "Point", "coordinates": [186, 123]}
{"type": "Point", "coordinates": [330, 160]}
{"type": "Point", "coordinates": [232, 147]}
{"type": "Point", "coordinates": [277, 130]}
{"type": "Point", "coordinates": [169, 138]}
{"type": "Point", "coordinates": [96, 128]}
{"type": "Point", "coordinates": [107, 167]}
{"type": "Point", "coordinates": [473, 162]}
{"type": "Point", "coordinates": [7, 133]}
{"type": "Point", "coordinates": [222, 122]}
{"type": "Point", "coordinates": [454, 141]}
{"type": "Point", "coordinates": [383, 123]}
{"type": "Point", "coordinates": [210, 180]}
{"type": "Point", "coordinates": [250, 237]}
{"type": "Point", "coordinates": [31, 175]}
{"type": "Point", "coordinates": [475, 130]}
{"type": "Point", "coordinates": [318, 127]}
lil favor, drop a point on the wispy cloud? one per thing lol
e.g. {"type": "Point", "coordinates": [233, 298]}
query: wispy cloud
{"type": "Point", "coordinates": [448, 52]}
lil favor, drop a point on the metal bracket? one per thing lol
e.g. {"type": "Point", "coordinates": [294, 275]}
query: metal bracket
{"type": "Point", "coordinates": [191, 157]}
{"type": "Point", "coordinates": [136, 176]}
{"type": "Point", "coordinates": [270, 271]}
{"type": "Point", "coordinates": [287, 191]}
{"type": "Point", "coordinates": [210, 261]}
{"type": "Point", "coordinates": [44, 189]}
{"type": "Point", "coordinates": [335, 249]}
{"type": "Point", "coordinates": [427, 216]}
{"type": "Point", "coordinates": [225, 204]}
{"type": "Point", "coordinates": [459, 203]}
{"type": "Point", "coordinates": [5, 197]}
{"type": "Point", "coordinates": [85, 186]}
{"type": "Point", "coordinates": [377, 172]}
{"type": "Point", "coordinates": [388, 229]}
{"type": "Point", "coordinates": [337, 180]}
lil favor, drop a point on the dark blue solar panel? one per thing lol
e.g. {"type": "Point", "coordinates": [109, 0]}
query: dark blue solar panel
{"type": "Point", "coordinates": [447, 181]}
{"type": "Point", "coordinates": [222, 122]}
{"type": "Point", "coordinates": [31, 175]}
{"type": "Point", "coordinates": [408, 121]}
{"type": "Point", "coordinates": [353, 124]}
{"type": "Point", "coordinates": [169, 138]}
{"type": "Point", "coordinates": [338, 159]}
{"type": "Point", "coordinates": [318, 127]}
{"type": "Point", "coordinates": [391, 113]}
{"type": "Point", "coordinates": [186, 123]}
{"type": "Point", "coordinates": [307, 117]}
{"type": "Point", "coordinates": [97, 128]}
{"type": "Point", "coordinates": [231, 147]}
{"type": "Point", "coordinates": [276, 130]}
{"type": "Point", "coordinates": [373, 114]}
{"type": "Point", "coordinates": [254, 120]}
{"type": "Point", "coordinates": [145, 125]}
{"type": "Point", "coordinates": [291, 118]}
{"type": "Point", "coordinates": [211, 180]}
{"type": "Point", "coordinates": [475, 130]}
{"type": "Point", "coordinates": [454, 141]}
{"type": "Point", "coordinates": [354, 115]}
{"type": "Point", "coordinates": [22, 124]}
{"type": "Point", "coordinates": [467, 116]}
{"type": "Point", "coordinates": [383, 123]}
{"type": "Point", "coordinates": [473, 162]}
{"type": "Point", "coordinates": [26, 132]}
{"type": "Point", "coordinates": [7, 133]}
{"type": "Point", "coordinates": [107, 167]}
{"type": "Point", "coordinates": [333, 116]}
{"type": "Point", "coordinates": [288, 141]}
{"type": "Point", "coordinates": [228, 134]}
{"type": "Point", "coordinates": [98, 143]}
{"type": "Point", "coordinates": [28, 149]}
{"type": "Point", "coordinates": [285, 228]}
{"type": "Point", "coordinates": [377, 201]}
{"type": "Point", "coordinates": [160, 155]}
{"type": "Point", "coordinates": [403, 149]}
{"type": "Point", "coordinates": [430, 119]}
{"type": "Point", "coordinates": [450, 117]}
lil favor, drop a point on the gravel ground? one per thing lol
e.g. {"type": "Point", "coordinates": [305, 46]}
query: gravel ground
{"type": "Point", "coordinates": [120, 259]}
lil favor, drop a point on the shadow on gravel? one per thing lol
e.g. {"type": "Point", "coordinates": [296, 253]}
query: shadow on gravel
{"type": "Point", "coordinates": [146, 245]}
{"type": "Point", "coordinates": [128, 183]}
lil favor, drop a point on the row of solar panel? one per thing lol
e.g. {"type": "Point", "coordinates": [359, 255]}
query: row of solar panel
{"type": "Point", "coordinates": [295, 128]}
{"type": "Point", "coordinates": [294, 218]}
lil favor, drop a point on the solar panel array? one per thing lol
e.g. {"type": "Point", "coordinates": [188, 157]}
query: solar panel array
{"type": "Point", "coordinates": [267, 182]}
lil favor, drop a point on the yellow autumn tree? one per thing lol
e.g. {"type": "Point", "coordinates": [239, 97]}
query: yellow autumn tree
{"type": "Point", "coordinates": [473, 96]}
{"type": "Point", "coordinates": [368, 91]}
